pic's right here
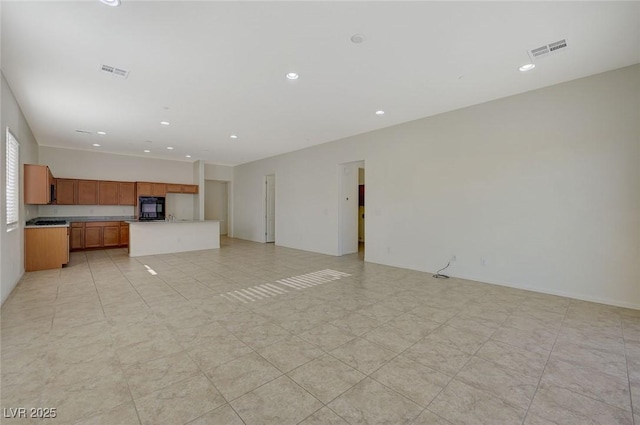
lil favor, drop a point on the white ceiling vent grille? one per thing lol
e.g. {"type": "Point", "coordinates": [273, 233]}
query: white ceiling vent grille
{"type": "Point", "coordinates": [115, 71]}
{"type": "Point", "coordinates": [547, 49]}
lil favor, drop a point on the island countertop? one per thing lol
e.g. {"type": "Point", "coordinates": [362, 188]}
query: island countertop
{"type": "Point", "coordinates": [168, 237]}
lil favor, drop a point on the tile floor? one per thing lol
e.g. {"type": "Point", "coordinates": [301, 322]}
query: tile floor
{"type": "Point", "coordinates": [104, 342]}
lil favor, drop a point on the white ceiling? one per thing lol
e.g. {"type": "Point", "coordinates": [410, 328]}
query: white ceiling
{"type": "Point", "coordinates": [217, 68]}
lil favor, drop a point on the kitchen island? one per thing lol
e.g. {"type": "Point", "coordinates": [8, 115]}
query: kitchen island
{"type": "Point", "coordinates": [168, 237]}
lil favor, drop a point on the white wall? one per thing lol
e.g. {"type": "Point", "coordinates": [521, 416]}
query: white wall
{"type": "Point", "coordinates": [543, 186]}
{"type": "Point", "coordinates": [71, 163]}
{"type": "Point", "coordinates": [12, 243]}
{"type": "Point", "coordinates": [216, 203]}
{"type": "Point", "coordinates": [218, 172]}
{"type": "Point", "coordinates": [77, 164]}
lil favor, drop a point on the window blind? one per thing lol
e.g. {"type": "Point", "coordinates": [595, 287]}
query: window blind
{"type": "Point", "coordinates": [13, 183]}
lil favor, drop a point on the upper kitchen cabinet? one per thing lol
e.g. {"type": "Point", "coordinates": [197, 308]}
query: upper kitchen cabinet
{"type": "Point", "coordinates": [66, 191]}
{"type": "Point", "coordinates": [158, 189]}
{"type": "Point", "coordinates": [39, 184]}
{"type": "Point", "coordinates": [87, 192]}
{"type": "Point", "coordinates": [126, 193]}
{"type": "Point", "coordinates": [182, 188]}
{"type": "Point", "coordinates": [108, 193]}
{"type": "Point", "coordinates": [143, 189]}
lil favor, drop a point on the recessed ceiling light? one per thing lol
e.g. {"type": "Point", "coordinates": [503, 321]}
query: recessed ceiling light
{"type": "Point", "coordinates": [112, 3]}
{"type": "Point", "coordinates": [381, 112]}
{"type": "Point", "coordinates": [97, 145]}
{"type": "Point", "coordinates": [292, 76]}
{"type": "Point", "coordinates": [102, 133]}
{"type": "Point", "coordinates": [165, 123]}
{"type": "Point", "coordinates": [357, 38]}
{"type": "Point", "coordinates": [527, 67]}
{"type": "Point", "coordinates": [234, 136]}
{"type": "Point", "coordinates": [187, 156]}
{"type": "Point", "coordinates": [170, 148]}
{"type": "Point", "coordinates": [147, 151]}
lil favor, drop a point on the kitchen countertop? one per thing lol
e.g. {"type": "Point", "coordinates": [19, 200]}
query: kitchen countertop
{"type": "Point", "coordinates": [29, 224]}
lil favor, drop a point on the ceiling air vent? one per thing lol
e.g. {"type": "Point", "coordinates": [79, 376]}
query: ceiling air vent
{"type": "Point", "coordinates": [114, 71]}
{"type": "Point", "coordinates": [547, 49]}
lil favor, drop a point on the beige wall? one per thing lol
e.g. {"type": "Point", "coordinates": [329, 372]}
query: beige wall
{"type": "Point", "coordinates": [12, 243]}
{"type": "Point", "coordinates": [539, 190]}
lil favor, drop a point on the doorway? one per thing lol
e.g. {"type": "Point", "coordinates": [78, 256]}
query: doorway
{"type": "Point", "coordinates": [349, 207]}
{"type": "Point", "coordinates": [270, 208]}
{"type": "Point", "coordinates": [216, 203]}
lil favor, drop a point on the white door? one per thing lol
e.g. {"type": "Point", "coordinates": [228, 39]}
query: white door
{"type": "Point", "coordinates": [270, 208]}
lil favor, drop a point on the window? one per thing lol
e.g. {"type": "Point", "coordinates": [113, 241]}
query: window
{"type": "Point", "coordinates": [13, 181]}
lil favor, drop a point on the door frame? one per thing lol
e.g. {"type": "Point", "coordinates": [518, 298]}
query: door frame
{"type": "Point", "coordinates": [266, 207]}
{"type": "Point", "coordinates": [342, 226]}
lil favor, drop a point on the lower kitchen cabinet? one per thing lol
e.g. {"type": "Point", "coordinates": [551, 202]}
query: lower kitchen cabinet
{"type": "Point", "coordinates": [111, 234]}
{"type": "Point", "coordinates": [99, 234]}
{"type": "Point", "coordinates": [77, 236]}
{"type": "Point", "coordinates": [124, 233]}
{"type": "Point", "coordinates": [46, 248]}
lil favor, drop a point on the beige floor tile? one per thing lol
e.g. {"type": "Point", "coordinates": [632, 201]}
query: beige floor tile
{"type": "Point", "coordinates": [223, 415]}
{"type": "Point", "coordinates": [326, 377]}
{"type": "Point", "coordinates": [370, 402]}
{"type": "Point", "coordinates": [280, 402]}
{"type": "Point", "coordinates": [363, 355]}
{"type": "Point", "coordinates": [562, 406]}
{"type": "Point", "coordinates": [526, 362]}
{"type": "Point", "coordinates": [411, 379]}
{"type": "Point", "coordinates": [356, 323]}
{"type": "Point", "coordinates": [392, 338]}
{"type": "Point", "coordinates": [609, 362]}
{"type": "Point", "coordinates": [443, 358]}
{"type": "Point", "coordinates": [324, 416]}
{"type": "Point", "coordinates": [212, 354]}
{"type": "Point", "coordinates": [145, 378]}
{"type": "Point", "coordinates": [429, 418]}
{"type": "Point", "coordinates": [289, 353]}
{"type": "Point", "coordinates": [261, 336]}
{"type": "Point", "coordinates": [125, 414]}
{"type": "Point", "coordinates": [457, 339]}
{"type": "Point", "coordinates": [414, 326]}
{"type": "Point", "coordinates": [588, 382]}
{"type": "Point", "coordinates": [58, 348]}
{"type": "Point", "coordinates": [529, 340]}
{"type": "Point", "coordinates": [97, 394]}
{"type": "Point", "coordinates": [461, 403]}
{"type": "Point", "coordinates": [513, 387]}
{"type": "Point", "coordinates": [239, 376]}
{"type": "Point", "coordinates": [179, 402]}
{"type": "Point", "coordinates": [327, 336]}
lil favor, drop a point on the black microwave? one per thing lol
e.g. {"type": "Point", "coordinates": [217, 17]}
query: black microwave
{"type": "Point", "coordinates": [151, 208]}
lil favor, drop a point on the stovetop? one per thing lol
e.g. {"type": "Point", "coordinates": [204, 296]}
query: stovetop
{"type": "Point", "coordinates": [49, 222]}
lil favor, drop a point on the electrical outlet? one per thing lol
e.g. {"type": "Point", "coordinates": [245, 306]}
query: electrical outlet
{"type": "Point", "coordinates": [453, 258]}
{"type": "Point", "coordinates": [483, 261]}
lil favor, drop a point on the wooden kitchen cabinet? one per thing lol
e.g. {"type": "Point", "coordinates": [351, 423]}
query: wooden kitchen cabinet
{"type": "Point", "coordinates": [108, 193]}
{"type": "Point", "coordinates": [124, 234]}
{"type": "Point", "coordinates": [77, 236]}
{"type": "Point", "coordinates": [38, 182]}
{"type": "Point", "coordinates": [143, 189]}
{"type": "Point", "coordinates": [66, 191]}
{"type": "Point", "coordinates": [126, 193]}
{"type": "Point", "coordinates": [182, 188]}
{"type": "Point", "coordinates": [87, 192]}
{"type": "Point", "coordinates": [190, 188]}
{"type": "Point", "coordinates": [158, 189]}
{"type": "Point", "coordinates": [46, 248]}
{"type": "Point", "coordinates": [111, 234]}
{"type": "Point", "coordinates": [93, 235]}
